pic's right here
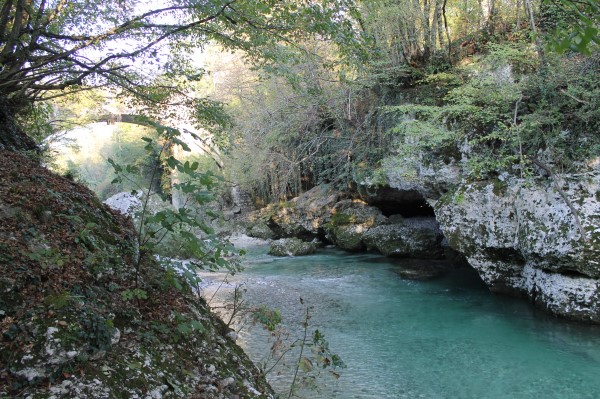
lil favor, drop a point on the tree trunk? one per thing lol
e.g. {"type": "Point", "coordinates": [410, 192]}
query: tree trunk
{"type": "Point", "coordinates": [491, 22]}
{"type": "Point", "coordinates": [446, 25]}
{"type": "Point", "coordinates": [426, 30]}
{"type": "Point", "coordinates": [538, 43]}
{"type": "Point", "coordinates": [12, 137]}
{"type": "Point", "coordinates": [414, 49]}
{"type": "Point", "coordinates": [439, 22]}
{"type": "Point", "coordinates": [479, 14]}
{"type": "Point", "coordinates": [433, 33]}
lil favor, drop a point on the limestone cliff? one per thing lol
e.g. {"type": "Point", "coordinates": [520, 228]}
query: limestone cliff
{"type": "Point", "coordinates": [520, 234]}
{"type": "Point", "coordinates": [351, 224]}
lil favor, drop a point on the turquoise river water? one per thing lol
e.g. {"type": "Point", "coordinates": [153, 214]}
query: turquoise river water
{"type": "Point", "coordinates": [443, 338]}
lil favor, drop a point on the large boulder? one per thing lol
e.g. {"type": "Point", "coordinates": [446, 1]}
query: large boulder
{"type": "Point", "coordinates": [292, 247]}
{"type": "Point", "coordinates": [412, 238]}
{"type": "Point", "coordinates": [303, 216]}
{"type": "Point", "coordinates": [350, 221]}
{"type": "Point", "coordinates": [261, 231]}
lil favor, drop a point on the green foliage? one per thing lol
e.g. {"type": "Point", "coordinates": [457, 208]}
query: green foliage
{"type": "Point", "coordinates": [506, 111]}
{"type": "Point", "coordinates": [577, 25]}
{"type": "Point", "coordinates": [36, 121]}
{"type": "Point", "coordinates": [304, 126]}
{"type": "Point", "coordinates": [459, 197]}
{"type": "Point", "coordinates": [269, 318]}
{"type": "Point", "coordinates": [88, 328]}
{"type": "Point", "coordinates": [185, 326]}
{"type": "Point", "coordinates": [95, 144]}
{"type": "Point", "coordinates": [87, 237]}
{"type": "Point", "coordinates": [135, 293]}
{"type": "Point", "coordinates": [322, 357]}
{"type": "Point", "coordinates": [47, 257]}
{"type": "Point", "coordinates": [58, 300]}
{"type": "Point", "coordinates": [185, 230]}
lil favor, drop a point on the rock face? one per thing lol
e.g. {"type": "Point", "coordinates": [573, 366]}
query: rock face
{"type": "Point", "coordinates": [524, 240]}
{"type": "Point", "coordinates": [292, 247]}
{"type": "Point", "coordinates": [520, 235]}
{"type": "Point", "coordinates": [302, 217]}
{"type": "Point", "coordinates": [350, 224]}
{"type": "Point", "coordinates": [415, 238]}
{"type": "Point", "coordinates": [126, 203]}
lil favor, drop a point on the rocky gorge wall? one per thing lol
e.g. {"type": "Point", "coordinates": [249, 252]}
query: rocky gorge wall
{"type": "Point", "coordinates": [326, 216]}
{"type": "Point", "coordinates": [523, 239]}
{"type": "Point", "coordinates": [520, 235]}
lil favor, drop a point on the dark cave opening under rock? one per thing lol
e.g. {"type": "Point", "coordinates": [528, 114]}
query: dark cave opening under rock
{"type": "Point", "coordinates": [409, 203]}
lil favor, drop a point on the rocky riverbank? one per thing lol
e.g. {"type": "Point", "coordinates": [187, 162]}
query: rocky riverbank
{"type": "Point", "coordinates": [521, 235]}
{"type": "Point", "coordinates": [75, 320]}
{"type": "Point", "coordinates": [325, 216]}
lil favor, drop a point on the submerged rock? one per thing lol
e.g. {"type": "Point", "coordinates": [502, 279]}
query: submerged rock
{"type": "Point", "coordinates": [418, 269]}
{"type": "Point", "coordinates": [292, 247]}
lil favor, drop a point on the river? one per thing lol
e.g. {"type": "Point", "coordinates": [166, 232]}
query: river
{"type": "Point", "coordinates": [443, 338]}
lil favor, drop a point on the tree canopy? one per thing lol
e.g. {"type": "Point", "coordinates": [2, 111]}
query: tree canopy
{"type": "Point", "coordinates": [52, 47]}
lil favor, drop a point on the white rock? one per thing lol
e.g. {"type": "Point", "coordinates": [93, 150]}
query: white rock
{"type": "Point", "coordinates": [227, 381]}
{"type": "Point", "coordinates": [125, 203]}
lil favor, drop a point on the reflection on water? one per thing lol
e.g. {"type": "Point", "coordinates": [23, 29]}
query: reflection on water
{"type": "Point", "coordinates": [443, 338]}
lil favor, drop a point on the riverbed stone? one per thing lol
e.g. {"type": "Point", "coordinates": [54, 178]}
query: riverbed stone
{"type": "Point", "coordinates": [420, 269]}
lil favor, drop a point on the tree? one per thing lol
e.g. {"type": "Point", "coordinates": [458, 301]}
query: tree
{"type": "Point", "coordinates": [49, 48]}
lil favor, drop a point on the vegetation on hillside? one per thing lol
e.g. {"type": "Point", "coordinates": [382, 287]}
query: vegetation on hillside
{"type": "Point", "coordinates": [75, 311]}
{"type": "Point", "coordinates": [432, 79]}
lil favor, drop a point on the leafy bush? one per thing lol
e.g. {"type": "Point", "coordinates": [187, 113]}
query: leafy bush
{"type": "Point", "coordinates": [509, 109]}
